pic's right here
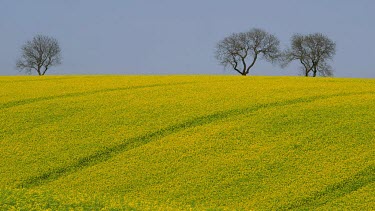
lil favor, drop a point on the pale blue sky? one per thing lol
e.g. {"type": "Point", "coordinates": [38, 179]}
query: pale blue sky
{"type": "Point", "coordinates": [178, 37]}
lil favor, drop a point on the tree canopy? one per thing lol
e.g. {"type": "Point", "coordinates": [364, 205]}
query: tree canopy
{"type": "Point", "coordinates": [241, 50]}
{"type": "Point", "coordinates": [39, 54]}
{"type": "Point", "coordinates": [313, 51]}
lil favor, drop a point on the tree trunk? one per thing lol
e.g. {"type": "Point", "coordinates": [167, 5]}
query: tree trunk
{"type": "Point", "coordinates": [38, 70]}
{"type": "Point", "coordinates": [252, 64]}
{"type": "Point", "coordinates": [45, 70]}
{"type": "Point", "coordinates": [315, 67]}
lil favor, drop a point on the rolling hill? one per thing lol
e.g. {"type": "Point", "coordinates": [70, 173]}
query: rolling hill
{"type": "Point", "coordinates": [186, 142]}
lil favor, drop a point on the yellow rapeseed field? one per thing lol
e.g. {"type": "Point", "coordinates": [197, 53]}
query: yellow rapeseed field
{"type": "Point", "coordinates": [186, 143]}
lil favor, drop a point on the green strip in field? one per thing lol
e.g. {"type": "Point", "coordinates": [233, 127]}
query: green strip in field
{"type": "Point", "coordinates": [359, 180]}
{"type": "Point", "coordinates": [77, 94]}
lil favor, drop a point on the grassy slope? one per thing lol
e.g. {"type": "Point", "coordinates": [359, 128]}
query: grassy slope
{"type": "Point", "coordinates": [187, 142]}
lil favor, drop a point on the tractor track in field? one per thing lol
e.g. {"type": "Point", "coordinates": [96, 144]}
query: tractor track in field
{"type": "Point", "coordinates": [131, 143]}
{"type": "Point", "coordinates": [79, 94]}
{"type": "Point", "coordinates": [361, 179]}
{"type": "Point", "coordinates": [32, 80]}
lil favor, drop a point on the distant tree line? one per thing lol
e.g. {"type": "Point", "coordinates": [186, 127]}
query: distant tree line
{"type": "Point", "coordinates": [240, 51]}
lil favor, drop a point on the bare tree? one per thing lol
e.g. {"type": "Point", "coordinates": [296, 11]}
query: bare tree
{"type": "Point", "coordinates": [241, 50]}
{"type": "Point", "coordinates": [39, 54]}
{"type": "Point", "coordinates": [313, 51]}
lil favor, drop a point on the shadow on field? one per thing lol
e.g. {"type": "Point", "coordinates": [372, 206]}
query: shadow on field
{"type": "Point", "coordinates": [107, 153]}
{"type": "Point", "coordinates": [334, 191]}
